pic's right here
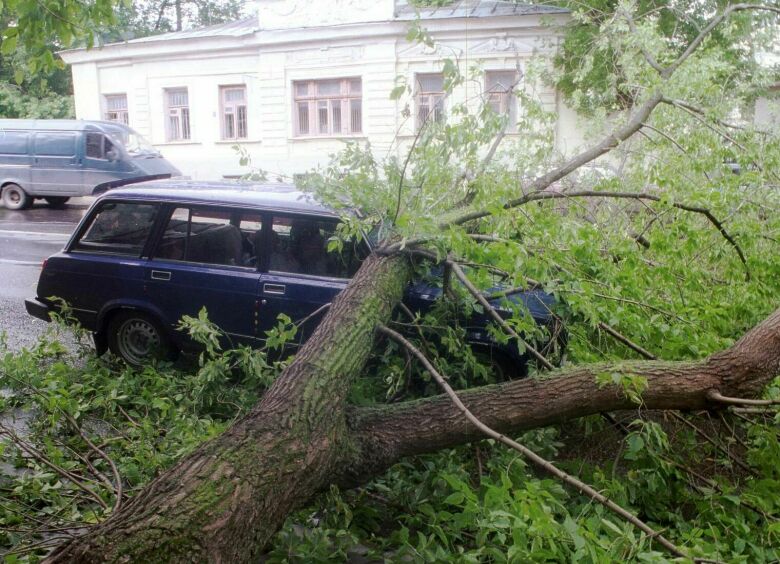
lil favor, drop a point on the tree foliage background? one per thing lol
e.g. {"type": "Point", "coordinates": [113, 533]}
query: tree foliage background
{"type": "Point", "coordinates": [649, 268]}
{"type": "Point", "coordinates": [34, 82]}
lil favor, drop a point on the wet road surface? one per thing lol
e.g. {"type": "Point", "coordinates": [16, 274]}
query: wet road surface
{"type": "Point", "coordinates": [26, 238]}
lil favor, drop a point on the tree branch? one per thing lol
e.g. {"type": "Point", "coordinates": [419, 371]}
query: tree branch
{"type": "Point", "coordinates": [480, 297]}
{"type": "Point", "coordinates": [537, 460]}
{"type": "Point", "coordinates": [715, 396]}
{"type": "Point", "coordinates": [388, 433]}
{"type": "Point", "coordinates": [553, 195]}
{"type": "Point", "coordinates": [714, 22]}
{"type": "Point", "coordinates": [647, 55]}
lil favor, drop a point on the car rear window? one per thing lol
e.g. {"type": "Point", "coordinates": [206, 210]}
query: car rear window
{"type": "Point", "coordinates": [119, 228]}
{"type": "Point", "coordinates": [300, 246]}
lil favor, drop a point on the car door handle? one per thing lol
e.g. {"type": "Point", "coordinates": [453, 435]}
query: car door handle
{"type": "Point", "coordinates": [277, 289]}
{"type": "Point", "coordinates": [163, 275]}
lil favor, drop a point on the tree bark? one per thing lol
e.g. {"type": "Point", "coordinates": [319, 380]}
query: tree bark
{"type": "Point", "coordinates": [225, 500]}
{"type": "Point", "coordinates": [388, 433]}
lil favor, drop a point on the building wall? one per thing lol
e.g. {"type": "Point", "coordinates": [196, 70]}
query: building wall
{"type": "Point", "coordinates": [268, 70]}
{"type": "Point", "coordinates": [767, 111]}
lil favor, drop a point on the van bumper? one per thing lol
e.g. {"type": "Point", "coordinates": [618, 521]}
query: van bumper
{"type": "Point", "coordinates": [37, 309]}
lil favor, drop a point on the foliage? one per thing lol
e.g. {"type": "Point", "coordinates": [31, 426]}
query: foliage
{"type": "Point", "coordinates": [662, 276]}
{"type": "Point", "coordinates": [66, 416]}
{"type": "Point", "coordinates": [483, 504]}
{"type": "Point", "coordinates": [40, 26]}
{"type": "Point", "coordinates": [590, 70]}
{"type": "Point", "coordinates": [141, 18]}
{"type": "Point", "coordinates": [15, 103]}
{"type": "Point", "coordinates": [30, 90]}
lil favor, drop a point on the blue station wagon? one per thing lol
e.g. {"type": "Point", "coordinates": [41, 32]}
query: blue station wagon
{"type": "Point", "coordinates": [145, 256]}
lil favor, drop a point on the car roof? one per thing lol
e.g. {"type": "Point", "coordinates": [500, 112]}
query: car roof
{"type": "Point", "coordinates": [62, 125]}
{"type": "Point", "coordinates": [274, 197]}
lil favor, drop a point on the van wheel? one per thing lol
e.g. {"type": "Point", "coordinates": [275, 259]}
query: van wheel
{"type": "Point", "coordinates": [56, 201]}
{"type": "Point", "coordinates": [138, 339]}
{"type": "Point", "coordinates": [15, 198]}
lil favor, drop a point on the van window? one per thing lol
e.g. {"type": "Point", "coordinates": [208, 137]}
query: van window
{"type": "Point", "coordinates": [55, 144]}
{"type": "Point", "coordinates": [210, 236]}
{"type": "Point", "coordinates": [300, 246]}
{"type": "Point", "coordinates": [118, 228]}
{"type": "Point", "coordinates": [13, 143]}
{"type": "Point", "coordinates": [98, 146]}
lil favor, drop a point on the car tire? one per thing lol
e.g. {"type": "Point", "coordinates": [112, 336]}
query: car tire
{"type": "Point", "coordinates": [15, 198]}
{"type": "Point", "coordinates": [56, 201]}
{"type": "Point", "coordinates": [138, 339]}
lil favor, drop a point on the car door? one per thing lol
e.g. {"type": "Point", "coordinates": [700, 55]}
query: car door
{"type": "Point", "coordinates": [205, 259]}
{"type": "Point", "coordinates": [102, 160]}
{"type": "Point", "coordinates": [57, 163]}
{"type": "Point", "coordinates": [300, 275]}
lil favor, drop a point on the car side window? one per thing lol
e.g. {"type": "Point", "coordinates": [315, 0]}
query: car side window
{"type": "Point", "coordinates": [94, 146]}
{"type": "Point", "coordinates": [208, 236]}
{"type": "Point", "coordinates": [120, 228]}
{"type": "Point", "coordinates": [300, 246]}
{"type": "Point", "coordinates": [98, 146]}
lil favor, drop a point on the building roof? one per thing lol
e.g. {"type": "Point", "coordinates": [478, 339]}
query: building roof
{"type": "Point", "coordinates": [246, 26]}
{"type": "Point", "coordinates": [403, 12]}
{"type": "Point", "coordinates": [474, 9]}
{"type": "Point", "coordinates": [274, 197]}
{"type": "Point", "coordinates": [62, 125]}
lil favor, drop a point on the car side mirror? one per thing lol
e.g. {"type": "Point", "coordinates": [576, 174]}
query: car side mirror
{"type": "Point", "coordinates": [112, 155]}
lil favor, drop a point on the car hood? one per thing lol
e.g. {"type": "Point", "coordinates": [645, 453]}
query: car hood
{"type": "Point", "coordinates": [538, 302]}
{"type": "Point", "coordinates": [155, 165]}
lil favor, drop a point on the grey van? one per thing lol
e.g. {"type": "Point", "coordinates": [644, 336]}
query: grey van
{"type": "Point", "coordinates": [57, 159]}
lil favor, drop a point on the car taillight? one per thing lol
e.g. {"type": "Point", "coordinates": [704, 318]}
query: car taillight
{"type": "Point", "coordinates": [43, 264]}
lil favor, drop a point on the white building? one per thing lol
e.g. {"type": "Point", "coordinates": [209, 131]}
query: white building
{"type": "Point", "coordinates": [296, 80]}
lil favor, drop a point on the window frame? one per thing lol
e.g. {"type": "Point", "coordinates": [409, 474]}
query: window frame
{"type": "Point", "coordinates": [122, 114]}
{"type": "Point", "coordinates": [507, 100]}
{"type": "Point", "coordinates": [236, 107]}
{"type": "Point", "coordinates": [236, 214]}
{"type": "Point", "coordinates": [90, 219]}
{"type": "Point", "coordinates": [103, 141]}
{"type": "Point", "coordinates": [343, 100]}
{"type": "Point", "coordinates": [434, 99]}
{"type": "Point", "coordinates": [182, 114]}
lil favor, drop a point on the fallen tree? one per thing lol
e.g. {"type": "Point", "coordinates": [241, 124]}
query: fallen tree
{"type": "Point", "coordinates": [224, 501]}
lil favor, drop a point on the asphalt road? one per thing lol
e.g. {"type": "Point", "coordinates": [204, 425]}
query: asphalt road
{"type": "Point", "coordinates": [26, 239]}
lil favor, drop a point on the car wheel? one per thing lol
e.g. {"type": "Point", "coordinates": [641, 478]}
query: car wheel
{"type": "Point", "coordinates": [15, 198]}
{"type": "Point", "coordinates": [137, 338]}
{"type": "Point", "coordinates": [56, 201]}
{"type": "Point", "coordinates": [501, 365]}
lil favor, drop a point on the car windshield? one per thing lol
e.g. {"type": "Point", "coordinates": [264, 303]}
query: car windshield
{"type": "Point", "coordinates": [133, 143]}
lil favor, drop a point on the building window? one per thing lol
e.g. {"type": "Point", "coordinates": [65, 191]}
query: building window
{"type": "Point", "coordinates": [328, 107]}
{"type": "Point", "coordinates": [429, 98]}
{"type": "Point", "coordinates": [499, 86]}
{"type": "Point", "coordinates": [116, 108]}
{"type": "Point", "coordinates": [233, 103]}
{"type": "Point", "coordinates": [178, 114]}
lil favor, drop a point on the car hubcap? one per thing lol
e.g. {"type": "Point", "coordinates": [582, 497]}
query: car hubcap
{"type": "Point", "coordinates": [137, 340]}
{"type": "Point", "coordinates": [13, 195]}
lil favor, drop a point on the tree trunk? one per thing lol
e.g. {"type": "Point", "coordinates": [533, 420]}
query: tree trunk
{"type": "Point", "coordinates": [178, 15]}
{"type": "Point", "coordinates": [223, 502]}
